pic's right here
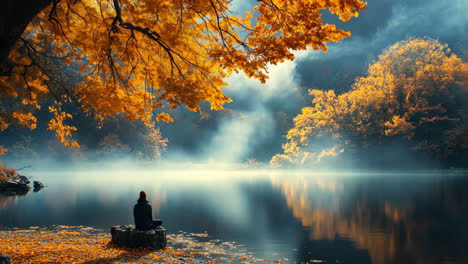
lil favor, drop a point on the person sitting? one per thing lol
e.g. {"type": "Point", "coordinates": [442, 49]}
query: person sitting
{"type": "Point", "coordinates": [142, 212]}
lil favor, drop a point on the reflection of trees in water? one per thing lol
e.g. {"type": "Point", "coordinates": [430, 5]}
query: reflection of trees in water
{"type": "Point", "coordinates": [396, 221]}
{"type": "Point", "coordinates": [7, 201]}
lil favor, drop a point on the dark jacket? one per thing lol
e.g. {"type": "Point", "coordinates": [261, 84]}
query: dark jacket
{"type": "Point", "coordinates": [142, 212]}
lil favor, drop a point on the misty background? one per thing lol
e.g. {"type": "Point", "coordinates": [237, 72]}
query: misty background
{"type": "Point", "coordinates": [254, 124]}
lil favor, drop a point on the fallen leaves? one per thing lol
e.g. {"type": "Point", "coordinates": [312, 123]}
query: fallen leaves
{"type": "Point", "coordinates": [65, 244]}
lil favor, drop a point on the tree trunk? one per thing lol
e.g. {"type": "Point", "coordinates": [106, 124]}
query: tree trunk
{"type": "Point", "coordinates": [15, 15]}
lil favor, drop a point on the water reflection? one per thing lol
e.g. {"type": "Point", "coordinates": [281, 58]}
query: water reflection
{"type": "Point", "coordinates": [7, 200]}
{"type": "Point", "coordinates": [380, 219]}
{"type": "Point", "coordinates": [404, 219]}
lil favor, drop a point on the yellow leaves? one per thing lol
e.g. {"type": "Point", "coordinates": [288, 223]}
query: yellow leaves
{"type": "Point", "coordinates": [331, 152]}
{"type": "Point", "coordinates": [2, 151]}
{"type": "Point", "coordinates": [5, 173]}
{"type": "Point", "coordinates": [17, 58]}
{"type": "Point", "coordinates": [83, 67]}
{"type": "Point", "coordinates": [63, 244]}
{"type": "Point", "coordinates": [29, 246]}
{"type": "Point", "coordinates": [399, 125]}
{"type": "Point", "coordinates": [3, 124]}
{"type": "Point", "coordinates": [164, 117]}
{"type": "Point", "coordinates": [25, 119]}
{"type": "Point", "coordinates": [153, 54]}
{"type": "Point", "coordinates": [7, 87]}
{"type": "Point", "coordinates": [200, 35]}
{"type": "Point", "coordinates": [63, 132]}
{"type": "Point", "coordinates": [410, 88]}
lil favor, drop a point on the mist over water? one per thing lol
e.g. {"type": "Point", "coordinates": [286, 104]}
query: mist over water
{"type": "Point", "coordinates": [215, 176]}
{"type": "Point", "coordinates": [347, 217]}
{"type": "Point", "coordinates": [256, 125]}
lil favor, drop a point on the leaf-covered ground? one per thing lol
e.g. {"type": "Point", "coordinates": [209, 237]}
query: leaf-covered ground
{"type": "Point", "coordinates": [64, 244]}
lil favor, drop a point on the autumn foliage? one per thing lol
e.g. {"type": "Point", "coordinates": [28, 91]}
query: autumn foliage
{"type": "Point", "coordinates": [85, 245]}
{"type": "Point", "coordinates": [6, 173]}
{"type": "Point", "coordinates": [411, 93]}
{"type": "Point", "coordinates": [142, 57]}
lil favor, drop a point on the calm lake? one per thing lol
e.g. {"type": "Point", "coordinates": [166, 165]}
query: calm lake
{"type": "Point", "coordinates": [358, 218]}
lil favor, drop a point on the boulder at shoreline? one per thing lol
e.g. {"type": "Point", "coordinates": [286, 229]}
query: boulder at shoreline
{"type": "Point", "coordinates": [4, 260]}
{"type": "Point", "coordinates": [128, 236]}
{"type": "Point", "coordinates": [12, 183]}
{"type": "Point", "coordinates": [14, 187]}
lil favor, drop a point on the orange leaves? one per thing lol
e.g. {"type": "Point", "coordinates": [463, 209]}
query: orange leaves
{"type": "Point", "coordinates": [135, 57]}
{"type": "Point", "coordinates": [6, 173]}
{"type": "Point", "coordinates": [16, 57]}
{"type": "Point", "coordinates": [277, 32]}
{"type": "Point", "coordinates": [41, 246]}
{"type": "Point", "coordinates": [2, 151]}
{"type": "Point", "coordinates": [64, 244]}
{"type": "Point", "coordinates": [83, 67]}
{"type": "Point", "coordinates": [411, 87]}
{"type": "Point", "coordinates": [331, 152]}
{"type": "Point", "coordinates": [25, 119]}
{"type": "Point", "coordinates": [140, 57]}
{"type": "Point", "coordinates": [3, 124]}
{"type": "Point", "coordinates": [21, 118]}
{"type": "Point", "coordinates": [399, 125]}
{"type": "Point", "coordinates": [347, 9]}
{"type": "Point", "coordinates": [63, 132]}
{"type": "Point", "coordinates": [164, 117]}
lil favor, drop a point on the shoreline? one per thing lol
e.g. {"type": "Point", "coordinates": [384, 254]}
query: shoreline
{"type": "Point", "coordinates": [86, 245]}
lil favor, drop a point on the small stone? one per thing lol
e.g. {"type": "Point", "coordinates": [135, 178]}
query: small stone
{"type": "Point", "coordinates": [38, 185]}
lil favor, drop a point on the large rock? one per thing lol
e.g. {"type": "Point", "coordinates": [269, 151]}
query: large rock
{"type": "Point", "coordinates": [128, 236]}
{"type": "Point", "coordinates": [14, 187]}
{"type": "Point", "coordinates": [24, 179]}
{"type": "Point", "coordinates": [4, 260]}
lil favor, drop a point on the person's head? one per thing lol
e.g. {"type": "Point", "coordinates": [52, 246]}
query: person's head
{"type": "Point", "coordinates": [142, 195]}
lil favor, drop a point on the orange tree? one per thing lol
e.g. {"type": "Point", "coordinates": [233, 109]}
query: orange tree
{"type": "Point", "coordinates": [141, 58]}
{"type": "Point", "coordinates": [412, 92]}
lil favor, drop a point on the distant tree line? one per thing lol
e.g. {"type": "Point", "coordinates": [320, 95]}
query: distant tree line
{"type": "Point", "coordinates": [412, 97]}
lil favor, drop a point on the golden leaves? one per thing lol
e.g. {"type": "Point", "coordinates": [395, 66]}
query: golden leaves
{"type": "Point", "coordinates": [65, 244]}
{"type": "Point", "coordinates": [2, 151]}
{"type": "Point", "coordinates": [6, 173]}
{"type": "Point", "coordinates": [331, 152]}
{"type": "Point", "coordinates": [136, 57]}
{"type": "Point", "coordinates": [25, 119]}
{"type": "Point", "coordinates": [63, 132]}
{"type": "Point", "coordinates": [412, 86]}
{"type": "Point", "coordinates": [164, 117]}
{"type": "Point", "coordinates": [399, 125]}
{"type": "Point", "coordinates": [3, 124]}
